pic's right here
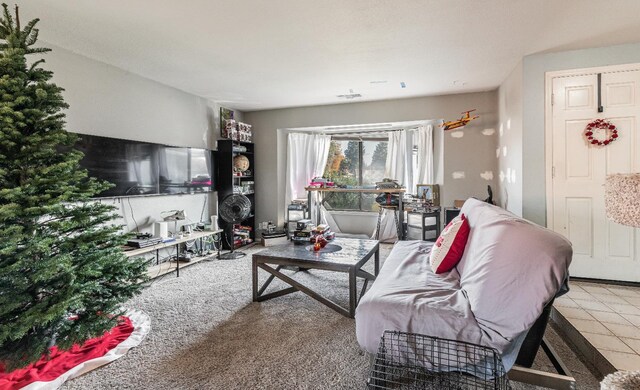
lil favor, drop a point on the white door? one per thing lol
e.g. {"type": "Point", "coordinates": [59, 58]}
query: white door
{"type": "Point", "coordinates": [602, 249]}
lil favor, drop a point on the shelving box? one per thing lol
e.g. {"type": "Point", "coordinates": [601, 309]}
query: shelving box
{"type": "Point", "coordinates": [228, 179]}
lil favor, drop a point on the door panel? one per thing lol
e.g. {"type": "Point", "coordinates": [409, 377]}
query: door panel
{"type": "Point", "coordinates": [620, 154]}
{"type": "Point", "coordinates": [579, 158]}
{"type": "Point", "coordinates": [602, 249]}
{"type": "Point", "coordinates": [620, 94]}
{"type": "Point", "coordinates": [579, 97]}
{"type": "Point", "coordinates": [580, 225]}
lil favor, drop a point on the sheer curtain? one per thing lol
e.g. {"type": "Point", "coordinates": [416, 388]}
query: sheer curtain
{"type": "Point", "coordinates": [409, 172]}
{"type": "Point", "coordinates": [399, 157]}
{"type": "Point", "coordinates": [307, 156]}
{"type": "Point", "coordinates": [424, 169]}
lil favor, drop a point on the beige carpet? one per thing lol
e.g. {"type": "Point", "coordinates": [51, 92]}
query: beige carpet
{"type": "Point", "coordinates": [207, 334]}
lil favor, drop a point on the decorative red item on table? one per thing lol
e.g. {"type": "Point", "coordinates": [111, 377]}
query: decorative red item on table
{"type": "Point", "coordinates": [319, 243]}
{"type": "Point", "coordinates": [322, 241]}
{"type": "Point", "coordinates": [601, 124]}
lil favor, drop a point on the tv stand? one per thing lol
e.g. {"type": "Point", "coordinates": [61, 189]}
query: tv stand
{"type": "Point", "coordinates": [169, 266]}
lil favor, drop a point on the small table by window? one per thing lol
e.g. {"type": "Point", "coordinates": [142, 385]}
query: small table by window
{"type": "Point", "coordinates": [322, 191]}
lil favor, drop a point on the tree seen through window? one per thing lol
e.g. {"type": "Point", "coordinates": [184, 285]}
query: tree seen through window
{"type": "Point", "coordinates": [355, 163]}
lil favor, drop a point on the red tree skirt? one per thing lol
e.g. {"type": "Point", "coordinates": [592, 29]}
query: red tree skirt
{"type": "Point", "coordinates": [50, 372]}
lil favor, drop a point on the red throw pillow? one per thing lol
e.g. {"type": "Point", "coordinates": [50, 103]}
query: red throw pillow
{"type": "Point", "coordinates": [448, 249]}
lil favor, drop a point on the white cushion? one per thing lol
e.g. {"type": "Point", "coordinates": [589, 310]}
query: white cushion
{"type": "Point", "coordinates": [510, 270]}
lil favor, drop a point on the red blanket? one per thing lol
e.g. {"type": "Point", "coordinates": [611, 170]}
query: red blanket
{"type": "Point", "coordinates": [58, 362]}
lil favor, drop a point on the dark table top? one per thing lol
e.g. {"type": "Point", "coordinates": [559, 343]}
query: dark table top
{"type": "Point", "coordinates": [353, 251]}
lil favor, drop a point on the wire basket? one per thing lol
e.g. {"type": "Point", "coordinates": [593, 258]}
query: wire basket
{"type": "Point", "coordinates": [414, 361]}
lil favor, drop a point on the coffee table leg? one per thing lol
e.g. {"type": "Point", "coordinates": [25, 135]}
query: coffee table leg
{"type": "Point", "coordinates": [376, 260]}
{"type": "Point", "coordinates": [353, 293]}
{"type": "Point", "coordinates": [254, 272]}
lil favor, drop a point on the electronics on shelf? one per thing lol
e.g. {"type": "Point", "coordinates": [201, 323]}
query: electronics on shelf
{"type": "Point", "coordinates": [144, 242]}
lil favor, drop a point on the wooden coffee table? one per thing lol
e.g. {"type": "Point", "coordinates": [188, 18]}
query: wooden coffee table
{"type": "Point", "coordinates": [354, 253]}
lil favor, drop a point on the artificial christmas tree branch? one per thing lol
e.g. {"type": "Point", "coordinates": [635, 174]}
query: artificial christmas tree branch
{"type": "Point", "coordinates": [63, 276]}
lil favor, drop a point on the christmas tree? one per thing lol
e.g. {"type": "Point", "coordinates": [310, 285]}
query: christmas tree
{"type": "Point", "coordinates": [63, 275]}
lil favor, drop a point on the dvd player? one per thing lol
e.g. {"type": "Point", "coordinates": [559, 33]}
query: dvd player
{"type": "Point", "coordinates": [144, 242]}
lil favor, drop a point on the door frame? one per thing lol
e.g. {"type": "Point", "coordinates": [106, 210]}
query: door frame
{"type": "Point", "coordinates": [548, 121]}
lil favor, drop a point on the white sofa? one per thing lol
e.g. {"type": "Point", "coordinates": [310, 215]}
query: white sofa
{"type": "Point", "coordinates": [511, 269]}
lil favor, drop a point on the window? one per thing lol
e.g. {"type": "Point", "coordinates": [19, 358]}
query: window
{"type": "Point", "coordinates": [355, 163]}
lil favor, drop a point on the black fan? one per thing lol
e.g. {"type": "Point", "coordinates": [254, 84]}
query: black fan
{"type": "Point", "coordinates": [234, 209]}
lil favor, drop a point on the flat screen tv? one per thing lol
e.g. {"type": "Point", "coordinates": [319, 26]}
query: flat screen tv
{"type": "Point", "coordinates": [142, 168]}
{"type": "Point", "coordinates": [184, 170]}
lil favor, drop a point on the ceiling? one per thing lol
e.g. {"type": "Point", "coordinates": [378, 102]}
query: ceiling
{"type": "Point", "coordinates": [257, 54]}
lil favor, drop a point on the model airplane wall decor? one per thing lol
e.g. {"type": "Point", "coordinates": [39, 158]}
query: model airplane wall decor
{"type": "Point", "coordinates": [464, 119]}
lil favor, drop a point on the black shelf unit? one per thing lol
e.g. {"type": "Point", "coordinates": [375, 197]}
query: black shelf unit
{"type": "Point", "coordinates": [450, 213]}
{"type": "Point", "coordinates": [227, 180]}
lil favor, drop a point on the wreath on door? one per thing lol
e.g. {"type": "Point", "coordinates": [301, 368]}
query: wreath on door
{"type": "Point", "coordinates": [601, 124]}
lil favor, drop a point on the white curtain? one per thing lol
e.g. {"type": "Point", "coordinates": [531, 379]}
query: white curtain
{"type": "Point", "coordinates": [398, 167]}
{"type": "Point", "coordinates": [307, 156]}
{"type": "Point", "coordinates": [399, 157]}
{"type": "Point", "coordinates": [327, 219]}
{"type": "Point", "coordinates": [424, 170]}
{"type": "Point", "coordinates": [401, 166]}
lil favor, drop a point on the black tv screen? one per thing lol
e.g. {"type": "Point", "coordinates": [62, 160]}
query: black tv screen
{"type": "Point", "coordinates": [184, 170]}
{"type": "Point", "coordinates": [141, 168]}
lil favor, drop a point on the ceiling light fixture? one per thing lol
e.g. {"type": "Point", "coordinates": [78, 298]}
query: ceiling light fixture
{"type": "Point", "coordinates": [350, 95]}
{"type": "Point", "coordinates": [403, 85]}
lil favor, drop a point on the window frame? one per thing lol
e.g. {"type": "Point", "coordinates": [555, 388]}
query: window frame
{"type": "Point", "coordinates": [360, 140]}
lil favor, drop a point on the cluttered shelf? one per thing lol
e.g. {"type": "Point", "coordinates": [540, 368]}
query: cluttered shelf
{"type": "Point", "coordinates": [132, 252]}
{"type": "Point", "coordinates": [149, 245]}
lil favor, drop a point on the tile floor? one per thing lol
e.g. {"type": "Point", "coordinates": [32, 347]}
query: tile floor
{"type": "Point", "coordinates": [608, 317]}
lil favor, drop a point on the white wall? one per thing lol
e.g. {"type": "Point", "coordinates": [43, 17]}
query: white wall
{"type": "Point", "coordinates": [534, 69]}
{"type": "Point", "coordinates": [109, 101]}
{"type": "Point", "coordinates": [473, 154]}
{"type": "Point", "coordinates": [509, 149]}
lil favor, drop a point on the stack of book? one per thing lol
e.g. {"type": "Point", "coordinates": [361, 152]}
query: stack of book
{"type": "Point", "coordinates": [274, 238]}
{"type": "Point", "coordinates": [311, 234]}
{"type": "Point", "coordinates": [322, 230]}
{"type": "Point", "coordinates": [241, 235]}
{"type": "Point", "coordinates": [301, 236]}
{"type": "Point", "coordinates": [303, 232]}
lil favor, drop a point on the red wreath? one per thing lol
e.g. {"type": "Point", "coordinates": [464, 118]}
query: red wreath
{"type": "Point", "coordinates": [604, 125]}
